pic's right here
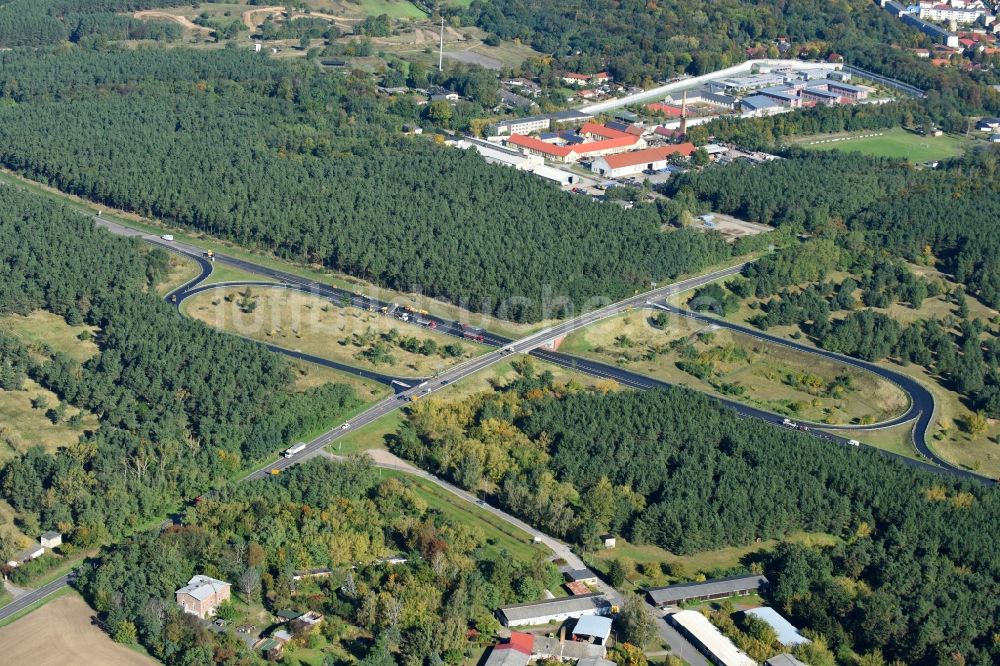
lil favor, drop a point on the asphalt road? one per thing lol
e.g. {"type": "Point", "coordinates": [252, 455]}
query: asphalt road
{"type": "Point", "coordinates": [29, 598]}
{"type": "Point", "coordinates": [921, 400]}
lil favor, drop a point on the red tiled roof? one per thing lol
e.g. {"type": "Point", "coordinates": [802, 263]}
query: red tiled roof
{"type": "Point", "coordinates": [521, 642]}
{"type": "Point", "coordinates": [532, 143]}
{"type": "Point", "coordinates": [578, 77]}
{"type": "Point", "coordinates": [581, 149]}
{"type": "Point", "coordinates": [600, 130]}
{"type": "Point", "coordinates": [663, 131]}
{"type": "Point", "coordinates": [576, 587]}
{"type": "Point", "coordinates": [635, 130]}
{"type": "Point", "coordinates": [649, 155]}
{"type": "Point", "coordinates": [668, 109]}
{"type": "Point", "coordinates": [597, 146]}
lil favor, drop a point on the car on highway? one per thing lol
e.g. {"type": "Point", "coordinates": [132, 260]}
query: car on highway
{"type": "Point", "coordinates": [167, 237]}
{"type": "Point", "coordinates": [345, 426]}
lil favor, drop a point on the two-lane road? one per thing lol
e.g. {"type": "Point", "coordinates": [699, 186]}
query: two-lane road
{"type": "Point", "coordinates": [29, 598]}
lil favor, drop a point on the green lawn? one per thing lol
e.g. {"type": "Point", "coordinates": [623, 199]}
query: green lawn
{"type": "Point", "coordinates": [223, 273]}
{"type": "Point", "coordinates": [398, 9]}
{"type": "Point", "coordinates": [690, 565]}
{"type": "Point", "coordinates": [895, 142]}
{"type": "Point", "coordinates": [371, 436]}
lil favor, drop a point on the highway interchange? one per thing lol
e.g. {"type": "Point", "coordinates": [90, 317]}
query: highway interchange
{"type": "Point", "coordinates": [920, 409]}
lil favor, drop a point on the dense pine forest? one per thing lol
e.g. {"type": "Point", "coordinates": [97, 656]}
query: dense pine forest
{"type": "Point", "coordinates": [282, 158]}
{"type": "Point", "coordinates": [948, 212]}
{"type": "Point", "coordinates": [179, 405]}
{"type": "Point", "coordinates": [914, 575]}
{"type": "Point", "coordinates": [41, 22]}
{"type": "Point", "coordinates": [431, 609]}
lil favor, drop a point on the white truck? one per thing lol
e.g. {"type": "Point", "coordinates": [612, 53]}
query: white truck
{"type": "Point", "coordinates": [167, 237]}
{"type": "Point", "coordinates": [854, 442]}
{"type": "Point", "coordinates": [292, 450]}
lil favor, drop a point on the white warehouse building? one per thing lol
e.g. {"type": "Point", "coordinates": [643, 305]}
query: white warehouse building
{"type": "Point", "coordinates": [712, 643]}
{"type": "Point", "coordinates": [553, 610]}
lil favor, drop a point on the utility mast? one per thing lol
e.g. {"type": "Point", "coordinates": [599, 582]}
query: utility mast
{"type": "Point", "coordinates": [441, 48]}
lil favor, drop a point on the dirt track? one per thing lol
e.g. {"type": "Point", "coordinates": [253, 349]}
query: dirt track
{"type": "Point", "coordinates": [183, 20]}
{"type": "Point", "coordinates": [60, 633]}
{"type": "Point", "coordinates": [249, 17]}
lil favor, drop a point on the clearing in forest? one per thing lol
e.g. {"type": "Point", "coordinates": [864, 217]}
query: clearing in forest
{"type": "Point", "coordinates": [313, 325]}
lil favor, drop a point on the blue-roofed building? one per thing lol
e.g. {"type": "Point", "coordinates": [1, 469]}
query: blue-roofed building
{"type": "Point", "coordinates": [782, 95]}
{"type": "Point", "coordinates": [757, 103]}
{"type": "Point", "coordinates": [788, 635]}
{"type": "Point", "coordinates": [592, 629]}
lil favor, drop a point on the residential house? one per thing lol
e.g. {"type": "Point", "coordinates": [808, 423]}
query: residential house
{"type": "Point", "coordinates": [515, 651]}
{"type": "Point", "coordinates": [202, 595]}
{"type": "Point", "coordinates": [784, 660]}
{"type": "Point", "coordinates": [50, 540]}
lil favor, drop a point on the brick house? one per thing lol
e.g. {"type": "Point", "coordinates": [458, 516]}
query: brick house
{"type": "Point", "coordinates": [202, 595]}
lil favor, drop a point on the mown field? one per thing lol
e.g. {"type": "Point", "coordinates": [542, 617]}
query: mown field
{"type": "Point", "coordinates": [896, 142]}
{"type": "Point", "coordinates": [310, 324]}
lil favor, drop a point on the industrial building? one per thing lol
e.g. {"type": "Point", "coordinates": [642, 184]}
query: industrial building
{"type": "Point", "coordinates": [935, 32]}
{"type": "Point", "coordinates": [707, 638]}
{"type": "Point", "coordinates": [525, 125]}
{"type": "Point", "coordinates": [787, 634]}
{"type": "Point", "coordinates": [651, 159]}
{"type": "Point", "coordinates": [717, 588]}
{"type": "Point", "coordinates": [571, 153]}
{"type": "Point", "coordinates": [553, 610]}
{"type": "Point", "coordinates": [496, 154]}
